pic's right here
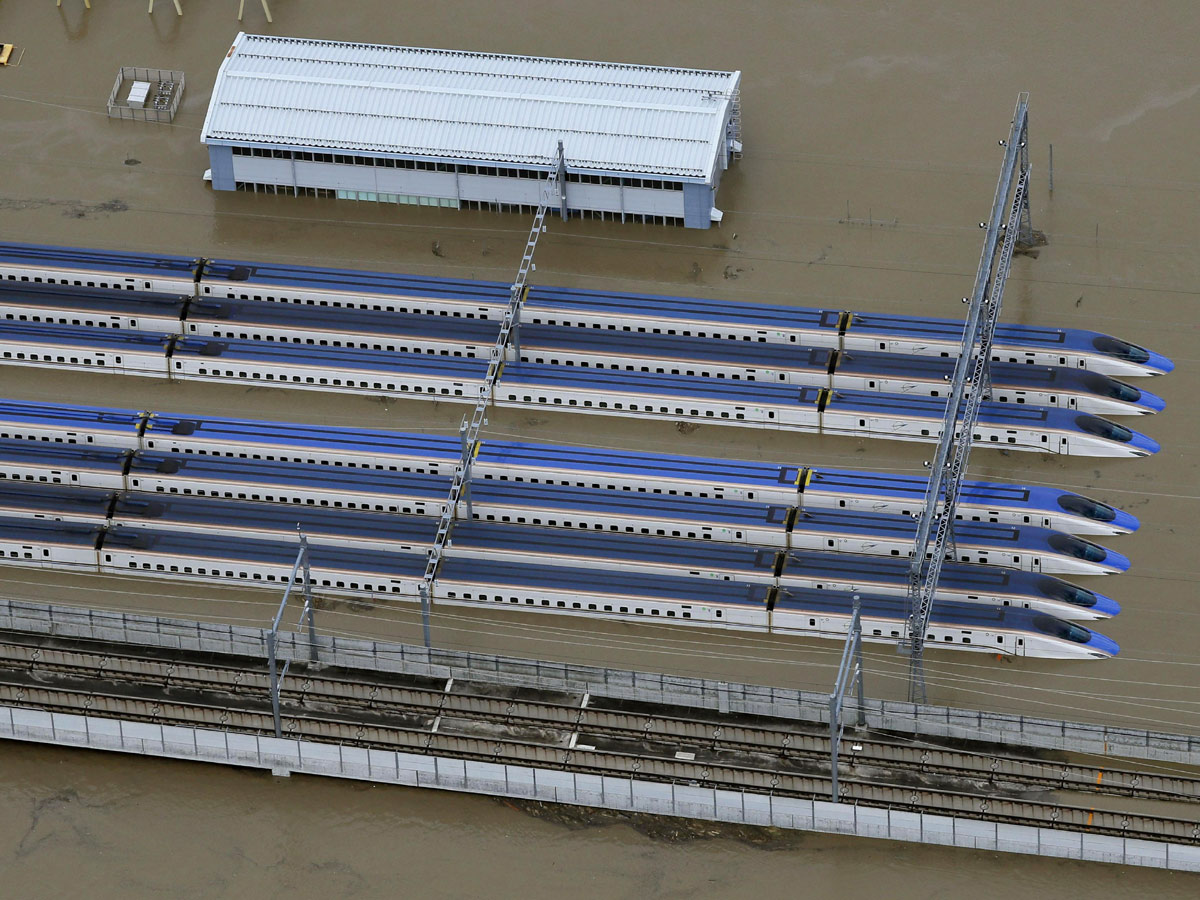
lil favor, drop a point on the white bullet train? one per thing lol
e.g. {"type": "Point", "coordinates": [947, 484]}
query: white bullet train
{"type": "Point", "coordinates": [679, 601]}
{"type": "Point", "coordinates": [632, 313]}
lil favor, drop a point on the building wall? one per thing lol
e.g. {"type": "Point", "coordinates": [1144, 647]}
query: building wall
{"type": "Point", "coordinates": [697, 205]}
{"type": "Point", "coordinates": [220, 161]}
{"type": "Point", "coordinates": [687, 204]}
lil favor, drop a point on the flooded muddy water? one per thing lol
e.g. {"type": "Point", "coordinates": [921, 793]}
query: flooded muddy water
{"type": "Point", "coordinates": [871, 134]}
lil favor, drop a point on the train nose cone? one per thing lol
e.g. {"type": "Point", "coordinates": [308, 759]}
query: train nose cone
{"type": "Point", "coordinates": [1150, 403]}
{"type": "Point", "coordinates": [1102, 646]}
{"type": "Point", "coordinates": [1124, 522]}
{"type": "Point", "coordinates": [1158, 364]}
{"type": "Point", "coordinates": [1114, 563]}
{"type": "Point", "coordinates": [1143, 445]}
{"type": "Point", "coordinates": [1105, 607]}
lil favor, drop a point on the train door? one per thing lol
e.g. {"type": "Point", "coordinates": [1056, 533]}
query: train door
{"type": "Point", "coordinates": [1064, 447]}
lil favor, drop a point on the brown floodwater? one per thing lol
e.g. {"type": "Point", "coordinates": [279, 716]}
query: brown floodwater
{"type": "Point", "coordinates": [870, 131]}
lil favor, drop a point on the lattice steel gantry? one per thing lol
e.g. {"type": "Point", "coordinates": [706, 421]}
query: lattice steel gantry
{"type": "Point", "coordinates": [1010, 225]}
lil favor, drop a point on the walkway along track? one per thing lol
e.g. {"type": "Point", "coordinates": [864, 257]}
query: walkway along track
{"type": "Point", "coordinates": [578, 732]}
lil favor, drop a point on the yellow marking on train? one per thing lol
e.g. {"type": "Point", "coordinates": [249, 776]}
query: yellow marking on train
{"type": "Point", "coordinates": [804, 478]}
{"type": "Point", "coordinates": [1089, 821]}
{"type": "Point", "coordinates": [1099, 775]}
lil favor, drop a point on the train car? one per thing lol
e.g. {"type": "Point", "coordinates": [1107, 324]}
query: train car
{"type": "Point", "coordinates": [47, 544]}
{"type": "Point", "coordinates": [92, 307]}
{"type": "Point", "coordinates": [791, 485]}
{"type": "Point", "coordinates": [352, 289]}
{"type": "Point", "coordinates": [836, 329]}
{"type": "Point", "coordinates": [660, 354]}
{"type": "Point", "coordinates": [62, 423]}
{"type": "Point", "coordinates": [336, 570]}
{"type": "Point", "coordinates": [259, 519]}
{"type": "Point", "coordinates": [89, 268]}
{"type": "Point", "coordinates": [57, 503]}
{"type": "Point", "coordinates": [963, 626]}
{"type": "Point", "coordinates": [327, 369]}
{"type": "Point", "coordinates": [119, 352]}
{"type": "Point", "coordinates": [402, 493]}
{"type": "Point", "coordinates": [64, 464]}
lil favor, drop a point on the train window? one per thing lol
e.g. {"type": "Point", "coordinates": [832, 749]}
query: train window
{"type": "Point", "coordinates": [862, 423]}
{"type": "Point", "coordinates": [720, 614]}
{"type": "Point", "coordinates": [624, 609]}
{"type": "Point", "coordinates": [999, 639]}
{"type": "Point", "coordinates": [877, 632]}
{"type": "Point", "coordinates": [608, 609]}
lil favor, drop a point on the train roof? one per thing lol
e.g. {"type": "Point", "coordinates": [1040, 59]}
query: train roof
{"type": "Point", "coordinates": [107, 339]}
{"type": "Point", "coordinates": [361, 324]}
{"type": "Point", "coordinates": [383, 361]}
{"type": "Point", "coordinates": [600, 581]}
{"type": "Point", "coordinates": [262, 276]}
{"type": "Point", "coordinates": [99, 300]}
{"type": "Point", "coordinates": [251, 432]}
{"type": "Point", "coordinates": [53, 499]}
{"type": "Point", "coordinates": [122, 263]}
{"type": "Point", "coordinates": [270, 473]}
{"type": "Point", "coordinates": [223, 548]}
{"type": "Point", "coordinates": [250, 515]}
{"type": "Point", "coordinates": [68, 416]}
{"type": "Point", "coordinates": [42, 532]}
{"type": "Point", "coordinates": [67, 457]}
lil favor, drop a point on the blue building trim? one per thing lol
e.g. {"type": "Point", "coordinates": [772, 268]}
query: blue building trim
{"type": "Point", "coordinates": [220, 160]}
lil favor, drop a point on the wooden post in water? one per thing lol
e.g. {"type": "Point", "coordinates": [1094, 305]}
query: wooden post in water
{"type": "Point", "coordinates": [266, 10]}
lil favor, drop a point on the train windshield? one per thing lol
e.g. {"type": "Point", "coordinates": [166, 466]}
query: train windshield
{"type": "Point", "coordinates": [1104, 428]}
{"type": "Point", "coordinates": [1110, 387]}
{"type": "Point", "coordinates": [1087, 508]}
{"type": "Point", "coordinates": [1067, 593]}
{"type": "Point", "coordinates": [1058, 628]}
{"type": "Point", "coordinates": [1069, 545]}
{"type": "Point", "coordinates": [1120, 349]}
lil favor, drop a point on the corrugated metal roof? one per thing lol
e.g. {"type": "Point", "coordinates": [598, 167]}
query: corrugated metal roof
{"type": "Point", "coordinates": [463, 105]}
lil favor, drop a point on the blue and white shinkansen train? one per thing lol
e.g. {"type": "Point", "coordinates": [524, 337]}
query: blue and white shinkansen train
{"type": "Point", "coordinates": [633, 313]}
{"type": "Point", "coordinates": [341, 571]}
{"type": "Point", "coordinates": [354, 531]}
{"type": "Point", "coordinates": [801, 486]}
{"type": "Point", "coordinates": [1054, 386]}
{"type": "Point", "coordinates": [414, 333]}
{"type": "Point", "coordinates": [697, 518]}
{"type": "Point", "coordinates": [533, 386]}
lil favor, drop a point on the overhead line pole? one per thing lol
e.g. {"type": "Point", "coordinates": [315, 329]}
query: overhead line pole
{"type": "Point", "coordinates": [968, 386]}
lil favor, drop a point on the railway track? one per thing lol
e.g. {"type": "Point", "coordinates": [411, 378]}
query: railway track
{"type": "Point", "coordinates": [581, 733]}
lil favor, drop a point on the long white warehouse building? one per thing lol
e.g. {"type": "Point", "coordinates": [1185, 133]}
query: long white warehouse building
{"type": "Point", "coordinates": [469, 130]}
